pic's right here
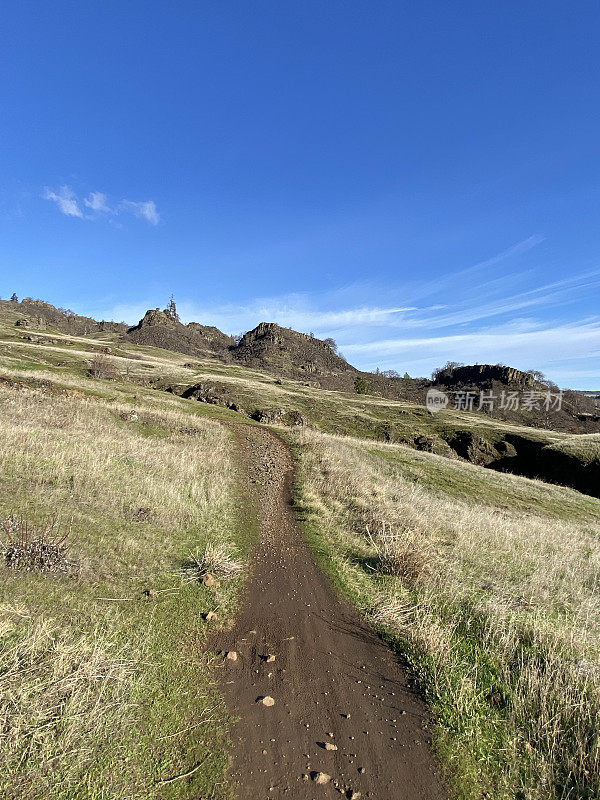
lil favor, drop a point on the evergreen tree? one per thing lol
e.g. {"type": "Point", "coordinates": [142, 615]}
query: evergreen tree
{"type": "Point", "coordinates": [171, 309]}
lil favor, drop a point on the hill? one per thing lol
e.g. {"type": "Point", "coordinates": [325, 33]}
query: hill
{"type": "Point", "coordinates": [485, 582]}
{"type": "Point", "coordinates": [202, 365]}
{"type": "Point", "coordinates": [286, 352]}
{"type": "Point", "coordinates": [162, 329]}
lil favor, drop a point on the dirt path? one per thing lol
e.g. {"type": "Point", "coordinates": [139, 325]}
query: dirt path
{"type": "Point", "coordinates": [332, 679]}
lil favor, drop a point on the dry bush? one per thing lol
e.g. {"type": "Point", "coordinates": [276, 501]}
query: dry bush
{"type": "Point", "coordinates": [104, 368]}
{"type": "Point", "coordinates": [216, 559]}
{"type": "Point", "coordinates": [34, 547]}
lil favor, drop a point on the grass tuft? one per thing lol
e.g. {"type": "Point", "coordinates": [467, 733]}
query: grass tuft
{"type": "Point", "coordinates": [215, 559]}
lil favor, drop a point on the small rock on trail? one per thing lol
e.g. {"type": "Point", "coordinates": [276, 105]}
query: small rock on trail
{"type": "Point", "coordinates": [266, 701]}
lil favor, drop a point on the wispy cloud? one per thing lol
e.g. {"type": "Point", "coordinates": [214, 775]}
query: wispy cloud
{"type": "Point", "coordinates": [98, 207]}
{"type": "Point", "coordinates": [291, 311]}
{"type": "Point", "coordinates": [473, 273]}
{"type": "Point", "coordinates": [66, 199]}
{"type": "Point", "coordinates": [96, 201]}
{"type": "Point", "coordinates": [145, 210]}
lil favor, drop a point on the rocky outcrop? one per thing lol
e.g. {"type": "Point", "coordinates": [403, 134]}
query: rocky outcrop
{"type": "Point", "coordinates": [161, 329]}
{"type": "Point", "coordinates": [433, 444]}
{"type": "Point", "coordinates": [483, 374]}
{"type": "Point", "coordinates": [269, 346]}
{"type": "Point", "coordinates": [473, 448]}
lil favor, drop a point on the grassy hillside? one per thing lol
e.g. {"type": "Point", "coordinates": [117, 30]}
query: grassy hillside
{"type": "Point", "coordinates": [585, 449]}
{"type": "Point", "coordinates": [486, 582]}
{"type": "Point", "coordinates": [469, 435]}
{"type": "Point", "coordinates": [328, 410]}
{"type": "Point", "coordinates": [488, 585]}
{"type": "Point", "coordinates": [105, 686]}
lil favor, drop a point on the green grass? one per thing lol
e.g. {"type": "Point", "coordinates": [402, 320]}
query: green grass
{"type": "Point", "coordinates": [493, 602]}
{"type": "Point", "coordinates": [105, 693]}
{"type": "Point", "coordinates": [585, 448]}
{"type": "Point", "coordinates": [473, 484]}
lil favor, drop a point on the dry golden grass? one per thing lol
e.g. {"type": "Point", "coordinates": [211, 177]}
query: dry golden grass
{"type": "Point", "coordinates": [59, 691]}
{"type": "Point", "coordinates": [498, 609]}
{"type": "Point", "coordinates": [92, 672]}
{"type": "Point", "coordinates": [585, 447]}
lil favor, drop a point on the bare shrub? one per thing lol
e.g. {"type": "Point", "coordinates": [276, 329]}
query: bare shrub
{"type": "Point", "coordinates": [35, 548]}
{"type": "Point", "coordinates": [102, 367]}
{"type": "Point", "coordinates": [216, 559]}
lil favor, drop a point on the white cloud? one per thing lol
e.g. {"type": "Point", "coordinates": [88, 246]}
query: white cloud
{"type": "Point", "coordinates": [66, 199]}
{"type": "Point", "coordinates": [97, 203]}
{"type": "Point", "coordinates": [292, 311]}
{"type": "Point", "coordinates": [525, 345]}
{"type": "Point", "coordinates": [146, 210]}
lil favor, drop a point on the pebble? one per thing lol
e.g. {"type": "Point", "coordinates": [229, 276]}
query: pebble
{"type": "Point", "coordinates": [266, 701]}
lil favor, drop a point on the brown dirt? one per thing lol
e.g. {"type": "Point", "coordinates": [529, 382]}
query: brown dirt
{"type": "Point", "coordinates": [333, 680]}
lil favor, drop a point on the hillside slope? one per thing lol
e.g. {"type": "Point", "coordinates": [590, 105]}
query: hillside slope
{"type": "Point", "coordinates": [486, 582]}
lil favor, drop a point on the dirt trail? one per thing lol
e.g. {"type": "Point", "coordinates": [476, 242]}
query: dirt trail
{"type": "Point", "coordinates": [332, 679]}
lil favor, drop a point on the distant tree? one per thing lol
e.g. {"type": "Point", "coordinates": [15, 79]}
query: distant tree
{"type": "Point", "coordinates": [390, 373]}
{"type": "Point", "coordinates": [331, 343]}
{"type": "Point", "coordinates": [537, 376]}
{"type": "Point", "coordinates": [362, 385]}
{"type": "Point", "coordinates": [311, 334]}
{"type": "Point", "coordinates": [406, 377]}
{"type": "Point", "coordinates": [14, 298]}
{"type": "Point", "coordinates": [171, 309]}
{"type": "Point", "coordinates": [446, 370]}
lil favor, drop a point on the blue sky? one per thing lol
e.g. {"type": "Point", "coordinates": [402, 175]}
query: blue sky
{"type": "Point", "coordinates": [420, 181]}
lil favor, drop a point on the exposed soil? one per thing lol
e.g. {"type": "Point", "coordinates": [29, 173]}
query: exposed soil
{"type": "Point", "coordinates": [332, 679]}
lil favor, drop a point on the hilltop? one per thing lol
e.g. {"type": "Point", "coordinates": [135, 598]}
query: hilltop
{"type": "Point", "coordinates": [277, 375]}
{"type": "Point", "coordinates": [163, 329]}
{"type": "Point", "coordinates": [285, 353]}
